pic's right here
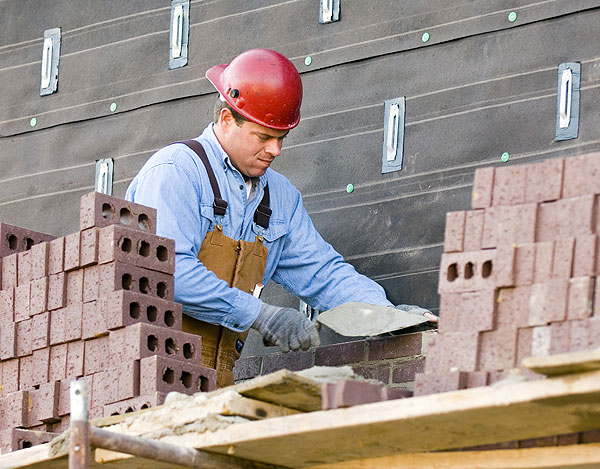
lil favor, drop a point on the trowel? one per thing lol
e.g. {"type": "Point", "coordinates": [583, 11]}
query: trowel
{"type": "Point", "coordinates": [363, 319]}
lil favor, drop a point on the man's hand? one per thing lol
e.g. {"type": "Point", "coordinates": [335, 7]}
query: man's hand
{"type": "Point", "coordinates": [287, 328]}
{"type": "Point", "coordinates": [418, 310]}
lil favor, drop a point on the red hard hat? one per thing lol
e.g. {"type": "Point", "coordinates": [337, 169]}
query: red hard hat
{"type": "Point", "coordinates": [263, 86]}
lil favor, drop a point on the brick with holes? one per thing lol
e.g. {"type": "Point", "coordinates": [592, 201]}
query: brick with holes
{"type": "Point", "coordinates": [21, 438]}
{"type": "Point", "coordinates": [124, 308]}
{"type": "Point", "coordinates": [118, 243]}
{"type": "Point", "coordinates": [454, 231]}
{"type": "Point", "coordinates": [118, 276]}
{"type": "Point", "coordinates": [466, 271]}
{"type": "Point", "coordinates": [101, 210]}
{"type": "Point", "coordinates": [15, 239]}
{"type": "Point", "coordinates": [166, 375]}
{"type": "Point", "coordinates": [134, 404]}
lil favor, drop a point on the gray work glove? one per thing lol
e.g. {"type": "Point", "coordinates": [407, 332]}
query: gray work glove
{"type": "Point", "coordinates": [418, 310]}
{"type": "Point", "coordinates": [287, 328]}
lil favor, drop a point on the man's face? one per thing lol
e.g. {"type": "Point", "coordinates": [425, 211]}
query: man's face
{"type": "Point", "coordinates": [251, 147]}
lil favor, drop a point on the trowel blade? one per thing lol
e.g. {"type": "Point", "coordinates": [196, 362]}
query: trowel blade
{"type": "Point", "coordinates": [363, 319]}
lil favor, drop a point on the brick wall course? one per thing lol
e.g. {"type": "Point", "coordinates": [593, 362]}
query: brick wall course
{"type": "Point", "coordinates": [294, 361]}
{"type": "Point", "coordinates": [382, 348]}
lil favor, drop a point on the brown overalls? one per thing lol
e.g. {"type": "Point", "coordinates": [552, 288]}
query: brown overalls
{"type": "Point", "coordinates": [239, 263]}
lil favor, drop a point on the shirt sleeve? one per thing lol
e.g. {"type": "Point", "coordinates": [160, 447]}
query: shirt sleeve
{"type": "Point", "coordinates": [310, 268]}
{"type": "Point", "coordinates": [177, 196]}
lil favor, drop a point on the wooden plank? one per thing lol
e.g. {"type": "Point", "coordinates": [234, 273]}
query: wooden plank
{"type": "Point", "coordinates": [565, 363]}
{"type": "Point", "coordinates": [554, 457]}
{"type": "Point", "coordinates": [255, 410]}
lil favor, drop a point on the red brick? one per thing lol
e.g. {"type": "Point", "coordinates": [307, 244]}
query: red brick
{"type": "Point", "coordinates": [44, 404]}
{"type": "Point", "coordinates": [129, 246]}
{"type": "Point", "coordinates": [568, 439]}
{"type": "Point", "coordinates": [118, 276]}
{"type": "Point", "coordinates": [102, 210]}
{"type": "Point", "coordinates": [58, 324]}
{"type": "Point", "coordinates": [340, 354]}
{"type": "Point", "coordinates": [105, 387]}
{"type": "Point", "coordinates": [565, 218]}
{"type": "Point", "coordinates": [473, 230]}
{"type": "Point", "coordinates": [560, 337]}
{"type": "Point", "coordinates": [476, 379]}
{"type": "Point", "coordinates": [459, 350]}
{"type": "Point", "coordinates": [58, 362]}
{"type": "Point", "coordinates": [426, 383]}
{"type": "Point", "coordinates": [57, 290]}
{"type": "Point", "coordinates": [512, 307]}
{"type": "Point", "coordinates": [581, 175]}
{"type": "Point", "coordinates": [40, 331]}
{"type": "Point", "coordinates": [38, 299]}
{"type": "Point", "coordinates": [90, 283]}
{"type": "Point", "coordinates": [548, 302]}
{"type": "Point", "coordinates": [488, 239]}
{"type": "Point", "coordinates": [21, 438]}
{"type": "Point", "coordinates": [515, 224]}
{"type": "Point", "coordinates": [10, 376]}
{"type": "Point", "coordinates": [64, 405]}
{"type": "Point", "coordinates": [509, 185]}
{"type": "Point", "coordinates": [89, 247]}
{"type": "Point", "coordinates": [96, 355]}
{"type": "Point", "coordinates": [23, 268]}
{"type": "Point", "coordinates": [135, 404]}
{"type": "Point", "coordinates": [563, 258]}
{"type": "Point", "coordinates": [454, 232]}
{"type": "Point", "coordinates": [56, 255]}
{"type": "Point", "coordinates": [472, 311]}
{"type": "Point", "coordinates": [94, 321]}
{"type": "Point", "coordinates": [13, 409]}
{"type": "Point", "coordinates": [544, 260]}
{"type": "Point", "coordinates": [434, 353]}
{"type": "Point", "coordinates": [498, 349]}
{"type": "Point", "coordinates": [7, 304]}
{"type": "Point", "coordinates": [584, 334]}
{"type": "Point", "coordinates": [466, 271]}
{"type": "Point", "coordinates": [26, 366]}
{"type": "Point", "coordinates": [41, 362]}
{"type": "Point", "coordinates": [378, 372]}
{"type": "Point", "coordinates": [24, 338]}
{"type": "Point", "coordinates": [591, 436]}
{"type": "Point", "coordinates": [124, 308]}
{"type": "Point", "coordinates": [525, 264]}
{"type": "Point", "coordinates": [294, 361]}
{"type": "Point", "coordinates": [74, 287]}
{"type": "Point", "coordinates": [348, 393]}
{"type": "Point", "coordinates": [116, 384]}
{"type": "Point", "coordinates": [39, 260]}
{"type": "Point", "coordinates": [9, 272]}
{"type": "Point", "coordinates": [22, 302]}
{"type": "Point", "coordinates": [505, 265]}
{"type": "Point", "coordinates": [483, 185]}
{"type": "Point", "coordinates": [72, 251]}
{"type": "Point", "coordinates": [75, 359]}
{"type": "Point", "coordinates": [581, 297]}
{"type": "Point", "coordinates": [8, 340]}
{"type": "Point", "coordinates": [584, 261]}
{"type": "Point", "coordinates": [384, 348]}
{"type": "Point", "coordinates": [544, 181]}
{"type": "Point", "coordinates": [16, 239]}
{"type": "Point", "coordinates": [73, 321]}
{"type": "Point", "coordinates": [541, 338]}
{"type": "Point", "coordinates": [405, 372]}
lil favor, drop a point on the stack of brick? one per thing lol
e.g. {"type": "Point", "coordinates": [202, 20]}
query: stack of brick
{"type": "Point", "coordinates": [97, 305]}
{"type": "Point", "coordinates": [518, 273]}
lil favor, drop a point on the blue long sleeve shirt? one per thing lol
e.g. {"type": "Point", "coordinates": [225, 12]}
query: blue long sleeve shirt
{"type": "Point", "coordinates": [175, 182]}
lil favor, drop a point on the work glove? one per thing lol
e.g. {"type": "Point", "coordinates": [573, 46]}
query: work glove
{"type": "Point", "coordinates": [418, 310]}
{"type": "Point", "coordinates": [287, 328]}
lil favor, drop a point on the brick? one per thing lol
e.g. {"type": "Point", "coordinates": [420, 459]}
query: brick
{"type": "Point", "coordinates": [466, 271]}
{"type": "Point", "coordinates": [563, 258]}
{"type": "Point", "coordinates": [383, 348]}
{"type": "Point", "coordinates": [39, 260]}
{"type": "Point", "coordinates": [515, 224]}
{"type": "Point", "coordinates": [58, 324]}
{"type": "Point", "coordinates": [584, 334]}
{"type": "Point", "coordinates": [74, 287]}
{"type": "Point", "coordinates": [105, 386]}
{"type": "Point", "coordinates": [434, 354]}
{"type": "Point", "coordinates": [61, 426]}
{"type": "Point", "coordinates": [525, 264]}
{"type": "Point", "coordinates": [544, 260]}
{"type": "Point", "coordinates": [24, 338]}
{"type": "Point", "coordinates": [581, 175]}
{"type": "Point", "coordinates": [124, 308]}
{"type": "Point", "coordinates": [7, 304]}
{"type": "Point", "coordinates": [454, 231]}
{"type": "Point", "coordinates": [584, 260]}
{"type": "Point", "coordinates": [26, 365]}
{"type": "Point", "coordinates": [38, 296]}
{"type": "Point", "coordinates": [591, 436]}
{"type": "Point", "coordinates": [56, 255]}
{"type": "Point", "coordinates": [472, 311]}
{"type": "Point", "coordinates": [524, 343]}
{"type": "Point", "coordinates": [426, 383]}
{"type": "Point", "coordinates": [538, 442]}
{"type": "Point", "coordinates": [581, 297]}
{"type": "Point", "coordinates": [23, 268]}
{"type": "Point", "coordinates": [14, 239]}
{"type": "Point", "coordinates": [116, 384]}
{"type": "Point", "coordinates": [102, 210]}
{"type": "Point", "coordinates": [509, 185]}
{"type": "Point", "coordinates": [91, 278]}
{"type": "Point", "coordinates": [459, 350]}
{"type": "Point", "coordinates": [58, 362]}
{"type": "Point", "coordinates": [565, 218]}
{"type": "Point", "coordinates": [57, 291]}
{"type": "Point", "coordinates": [22, 302]}
{"type": "Point", "coordinates": [498, 349]}
{"type": "Point", "coordinates": [348, 393]}
{"type": "Point", "coordinates": [560, 337]}
{"type": "Point", "coordinates": [75, 357]}
{"type": "Point", "coordinates": [72, 251]}
{"type": "Point", "coordinates": [473, 230]}
{"type": "Point", "coordinates": [377, 372]}
{"type": "Point", "coordinates": [9, 272]}
{"type": "Point", "coordinates": [10, 376]}
{"type": "Point", "coordinates": [89, 247]}
{"type": "Point", "coordinates": [13, 409]}
{"type": "Point", "coordinates": [476, 379]}
{"type": "Point", "coordinates": [488, 239]}
{"type": "Point", "coordinates": [540, 341]}
{"type": "Point", "coordinates": [21, 438]}
{"type": "Point", "coordinates": [129, 246]}
{"type": "Point", "coordinates": [73, 321]}
{"type": "Point", "coordinates": [41, 362]}
{"type": "Point", "coordinates": [135, 404]}
{"type": "Point", "coordinates": [94, 321]}
{"type": "Point", "coordinates": [548, 302]}
{"type": "Point", "coordinates": [118, 276]}
{"type": "Point", "coordinates": [96, 355]}
{"type": "Point", "coordinates": [512, 307]}
{"type": "Point", "coordinates": [483, 185]}
{"type": "Point", "coordinates": [544, 181]}
{"type": "Point", "coordinates": [293, 361]}
{"type": "Point", "coordinates": [8, 340]}
{"type": "Point", "coordinates": [40, 331]}
{"type": "Point", "coordinates": [341, 354]}
{"type": "Point", "coordinates": [44, 404]}
{"type": "Point", "coordinates": [246, 368]}
{"type": "Point", "coordinates": [568, 439]}
{"type": "Point", "coordinates": [504, 266]}
{"type": "Point", "coordinates": [405, 372]}
{"type": "Point", "coordinates": [64, 400]}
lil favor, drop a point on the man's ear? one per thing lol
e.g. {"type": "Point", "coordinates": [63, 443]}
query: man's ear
{"type": "Point", "coordinates": [226, 119]}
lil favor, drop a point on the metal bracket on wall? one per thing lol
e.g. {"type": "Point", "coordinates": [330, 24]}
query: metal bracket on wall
{"type": "Point", "coordinates": [329, 11]}
{"type": "Point", "coordinates": [50, 59]}
{"type": "Point", "coordinates": [567, 102]}
{"type": "Point", "coordinates": [393, 135]}
{"type": "Point", "coordinates": [104, 176]}
{"type": "Point", "coordinates": [179, 34]}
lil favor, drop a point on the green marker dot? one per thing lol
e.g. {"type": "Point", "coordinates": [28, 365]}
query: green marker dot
{"type": "Point", "coordinates": [350, 188]}
{"type": "Point", "coordinates": [308, 60]}
{"type": "Point", "coordinates": [512, 16]}
{"type": "Point", "coordinates": [505, 157]}
{"type": "Point", "coordinates": [425, 37]}
{"type": "Point", "coordinates": [113, 107]}
{"type": "Point", "coordinates": [33, 122]}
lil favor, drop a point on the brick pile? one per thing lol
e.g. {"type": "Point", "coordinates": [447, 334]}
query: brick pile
{"type": "Point", "coordinates": [98, 305]}
{"type": "Point", "coordinates": [518, 273]}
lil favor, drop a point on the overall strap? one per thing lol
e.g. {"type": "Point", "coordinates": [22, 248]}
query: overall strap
{"type": "Point", "coordinates": [263, 212]}
{"type": "Point", "coordinates": [219, 205]}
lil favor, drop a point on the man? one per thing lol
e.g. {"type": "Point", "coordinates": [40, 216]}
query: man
{"type": "Point", "coordinates": [237, 223]}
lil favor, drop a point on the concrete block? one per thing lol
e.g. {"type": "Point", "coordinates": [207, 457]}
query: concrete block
{"type": "Point", "coordinates": [118, 276]}
{"type": "Point", "coordinates": [454, 232]}
{"type": "Point", "coordinates": [165, 375]}
{"type": "Point", "coordinates": [102, 210]}
{"type": "Point", "coordinates": [483, 186]}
